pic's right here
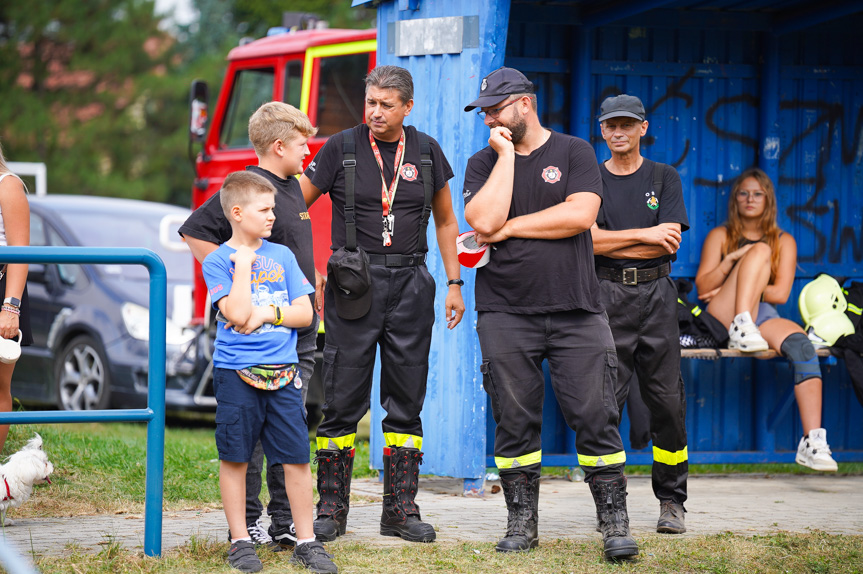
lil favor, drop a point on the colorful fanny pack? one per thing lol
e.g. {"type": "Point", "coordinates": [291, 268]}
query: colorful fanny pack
{"type": "Point", "coordinates": [271, 377]}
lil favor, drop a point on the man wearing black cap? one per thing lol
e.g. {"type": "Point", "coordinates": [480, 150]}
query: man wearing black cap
{"type": "Point", "coordinates": [635, 239]}
{"type": "Point", "coordinates": [534, 194]}
{"type": "Point", "coordinates": [384, 179]}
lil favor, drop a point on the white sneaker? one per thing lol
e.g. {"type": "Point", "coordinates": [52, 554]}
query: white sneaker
{"type": "Point", "coordinates": [814, 452]}
{"type": "Point", "coordinates": [745, 336]}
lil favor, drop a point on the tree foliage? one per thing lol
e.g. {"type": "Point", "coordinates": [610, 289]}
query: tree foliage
{"type": "Point", "coordinates": [98, 91]}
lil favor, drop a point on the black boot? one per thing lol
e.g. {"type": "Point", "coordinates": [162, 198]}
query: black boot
{"type": "Point", "coordinates": [610, 498]}
{"type": "Point", "coordinates": [522, 523]}
{"type": "Point", "coordinates": [401, 515]}
{"type": "Point", "coordinates": [334, 487]}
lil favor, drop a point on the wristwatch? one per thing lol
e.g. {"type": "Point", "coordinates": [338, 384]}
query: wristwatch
{"type": "Point", "coordinates": [458, 282]}
{"type": "Point", "coordinates": [14, 301]}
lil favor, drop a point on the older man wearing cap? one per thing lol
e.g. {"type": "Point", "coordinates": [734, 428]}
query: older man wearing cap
{"type": "Point", "coordinates": [385, 179]}
{"type": "Point", "coordinates": [534, 193]}
{"type": "Point", "coordinates": [635, 239]}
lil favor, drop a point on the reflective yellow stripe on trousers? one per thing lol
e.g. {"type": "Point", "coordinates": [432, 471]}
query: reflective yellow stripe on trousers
{"type": "Point", "coordinates": [602, 460]}
{"type": "Point", "coordinates": [523, 460]}
{"type": "Point", "coordinates": [335, 443]}
{"type": "Point", "coordinates": [403, 440]}
{"type": "Point", "coordinates": [670, 458]}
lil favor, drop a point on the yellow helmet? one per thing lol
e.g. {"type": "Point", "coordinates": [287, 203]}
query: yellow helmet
{"type": "Point", "coordinates": [827, 327]}
{"type": "Point", "coordinates": [821, 295]}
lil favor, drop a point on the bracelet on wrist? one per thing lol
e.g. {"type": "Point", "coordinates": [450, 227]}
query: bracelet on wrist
{"type": "Point", "coordinates": [458, 282]}
{"type": "Point", "coordinates": [12, 309]}
{"type": "Point", "coordinates": [278, 311]}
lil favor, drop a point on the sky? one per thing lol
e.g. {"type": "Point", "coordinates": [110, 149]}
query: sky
{"type": "Point", "coordinates": [182, 10]}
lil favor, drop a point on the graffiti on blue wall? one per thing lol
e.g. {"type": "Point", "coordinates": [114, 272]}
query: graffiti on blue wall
{"type": "Point", "coordinates": [831, 129]}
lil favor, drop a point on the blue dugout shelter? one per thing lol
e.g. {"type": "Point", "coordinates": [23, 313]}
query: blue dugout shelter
{"type": "Point", "coordinates": [727, 84]}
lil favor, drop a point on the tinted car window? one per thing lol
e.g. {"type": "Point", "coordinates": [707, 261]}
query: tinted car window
{"type": "Point", "coordinates": [108, 229]}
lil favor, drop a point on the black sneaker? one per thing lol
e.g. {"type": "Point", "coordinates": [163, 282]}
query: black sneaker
{"type": "Point", "coordinates": [283, 536]}
{"type": "Point", "coordinates": [242, 556]}
{"type": "Point", "coordinates": [313, 556]}
{"type": "Point", "coordinates": [259, 536]}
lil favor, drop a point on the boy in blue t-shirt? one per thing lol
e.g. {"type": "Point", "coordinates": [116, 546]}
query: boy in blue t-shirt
{"type": "Point", "coordinates": [261, 292]}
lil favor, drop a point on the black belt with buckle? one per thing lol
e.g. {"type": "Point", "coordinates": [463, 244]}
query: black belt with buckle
{"type": "Point", "coordinates": [633, 275]}
{"type": "Point", "coordinates": [397, 260]}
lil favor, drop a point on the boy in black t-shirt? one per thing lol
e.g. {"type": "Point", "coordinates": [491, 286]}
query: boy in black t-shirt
{"type": "Point", "coordinates": [279, 133]}
{"type": "Point", "coordinates": [534, 194]}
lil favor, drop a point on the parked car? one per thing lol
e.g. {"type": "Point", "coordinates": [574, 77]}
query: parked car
{"type": "Point", "coordinates": [91, 322]}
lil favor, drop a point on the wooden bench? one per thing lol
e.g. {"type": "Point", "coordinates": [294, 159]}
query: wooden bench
{"type": "Point", "coordinates": [713, 354]}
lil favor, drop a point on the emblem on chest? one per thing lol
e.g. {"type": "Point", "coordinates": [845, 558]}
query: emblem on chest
{"type": "Point", "coordinates": [551, 174]}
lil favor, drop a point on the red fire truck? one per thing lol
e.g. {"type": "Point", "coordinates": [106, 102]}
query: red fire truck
{"type": "Point", "coordinates": [320, 72]}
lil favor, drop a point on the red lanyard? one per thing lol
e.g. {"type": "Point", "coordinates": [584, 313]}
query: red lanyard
{"type": "Point", "coordinates": [389, 195]}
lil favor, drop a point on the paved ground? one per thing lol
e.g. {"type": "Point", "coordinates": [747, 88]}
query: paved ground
{"type": "Point", "coordinates": [741, 504]}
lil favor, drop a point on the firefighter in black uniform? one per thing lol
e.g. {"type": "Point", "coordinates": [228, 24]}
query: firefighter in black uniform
{"type": "Point", "coordinates": [379, 292]}
{"type": "Point", "coordinates": [635, 239]}
{"type": "Point", "coordinates": [534, 194]}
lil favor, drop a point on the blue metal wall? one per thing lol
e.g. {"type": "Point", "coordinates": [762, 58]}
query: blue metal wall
{"type": "Point", "coordinates": [455, 408]}
{"type": "Point", "coordinates": [725, 89]}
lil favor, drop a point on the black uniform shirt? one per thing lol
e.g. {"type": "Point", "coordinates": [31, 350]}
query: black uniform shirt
{"type": "Point", "coordinates": [292, 227]}
{"type": "Point", "coordinates": [327, 173]}
{"type": "Point", "coordinates": [630, 202]}
{"type": "Point", "coordinates": [540, 275]}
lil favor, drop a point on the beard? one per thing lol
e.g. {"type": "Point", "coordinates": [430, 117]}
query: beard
{"type": "Point", "coordinates": [518, 129]}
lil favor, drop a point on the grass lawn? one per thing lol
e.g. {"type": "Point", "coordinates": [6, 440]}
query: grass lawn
{"type": "Point", "coordinates": [100, 468]}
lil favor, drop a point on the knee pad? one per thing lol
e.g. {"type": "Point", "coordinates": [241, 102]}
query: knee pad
{"type": "Point", "coordinates": [798, 349]}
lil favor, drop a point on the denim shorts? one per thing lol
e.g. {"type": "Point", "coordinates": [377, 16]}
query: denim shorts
{"type": "Point", "coordinates": [245, 415]}
{"type": "Point", "coordinates": [766, 311]}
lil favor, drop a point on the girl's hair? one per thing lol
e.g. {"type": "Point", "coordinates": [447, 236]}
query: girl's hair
{"type": "Point", "coordinates": [770, 230]}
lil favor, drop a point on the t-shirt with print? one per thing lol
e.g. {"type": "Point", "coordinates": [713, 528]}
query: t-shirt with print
{"type": "Point", "coordinates": [327, 173]}
{"type": "Point", "coordinates": [276, 280]}
{"type": "Point", "coordinates": [539, 275]}
{"type": "Point", "coordinates": [631, 202]}
{"type": "Point", "coordinates": [292, 227]}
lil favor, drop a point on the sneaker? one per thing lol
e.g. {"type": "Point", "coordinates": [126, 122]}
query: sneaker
{"type": "Point", "coordinates": [671, 518]}
{"type": "Point", "coordinates": [313, 556]}
{"type": "Point", "coordinates": [259, 536]}
{"type": "Point", "coordinates": [242, 556]}
{"type": "Point", "coordinates": [284, 536]}
{"type": "Point", "coordinates": [814, 452]}
{"type": "Point", "coordinates": [745, 336]}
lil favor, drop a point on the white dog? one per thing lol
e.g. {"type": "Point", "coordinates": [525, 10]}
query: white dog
{"type": "Point", "coordinates": [27, 467]}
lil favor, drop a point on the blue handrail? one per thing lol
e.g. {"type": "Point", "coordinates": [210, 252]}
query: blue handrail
{"type": "Point", "coordinates": [154, 414]}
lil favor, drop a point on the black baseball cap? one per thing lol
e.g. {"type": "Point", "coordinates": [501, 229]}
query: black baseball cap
{"type": "Point", "coordinates": [622, 105]}
{"type": "Point", "coordinates": [348, 271]}
{"type": "Point", "coordinates": [499, 84]}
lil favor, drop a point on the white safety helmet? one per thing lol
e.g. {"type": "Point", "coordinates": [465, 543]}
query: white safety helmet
{"type": "Point", "coordinates": [821, 295]}
{"type": "Point", "coordinates": [470, 253]}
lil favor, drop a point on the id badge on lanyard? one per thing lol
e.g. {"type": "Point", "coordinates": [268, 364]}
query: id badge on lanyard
{"type": "Point", "coordinates": [388, 195]}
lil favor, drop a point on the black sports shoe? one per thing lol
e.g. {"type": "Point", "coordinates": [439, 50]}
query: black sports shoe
{"type": "Point", "coordinates": [313, 556]}
{"type": "Point", "coordinates": [242, 556]}
{"type": "Point", "coordinates": [283, 536]}
{"type": "Point", "coordinates": [259, 536]}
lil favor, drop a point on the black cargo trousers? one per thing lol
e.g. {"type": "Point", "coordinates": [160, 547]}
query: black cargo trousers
{"type": "Point", "coordinates": [643, 320]}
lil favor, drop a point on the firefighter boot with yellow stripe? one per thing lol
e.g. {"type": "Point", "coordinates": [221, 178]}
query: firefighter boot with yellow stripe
{"type": "Point", "coordinates": [334, 487]}
{"type": "Point", "coordinates": [401, 515]}
{"type": "Point", "coordinates": [522, 503]}
{"type": "Point", "coordinates": [610, 498]}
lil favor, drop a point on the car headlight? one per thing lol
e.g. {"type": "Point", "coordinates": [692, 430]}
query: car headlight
{"type": "Point", "coordinates": [137, 321]}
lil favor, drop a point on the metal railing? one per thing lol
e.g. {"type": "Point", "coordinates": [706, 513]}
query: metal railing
{"type": "Point", "coordinates": [154, 414]}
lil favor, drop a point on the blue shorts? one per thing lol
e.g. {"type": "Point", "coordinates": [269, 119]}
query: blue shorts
{"type": "Point", "coordinates": [765, 311]}
{"type": "Point", "coordinates": [245, 415]}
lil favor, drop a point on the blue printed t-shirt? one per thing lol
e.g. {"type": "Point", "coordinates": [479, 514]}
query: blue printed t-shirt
{"type": "Point", "coordinates": [276, 280]}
